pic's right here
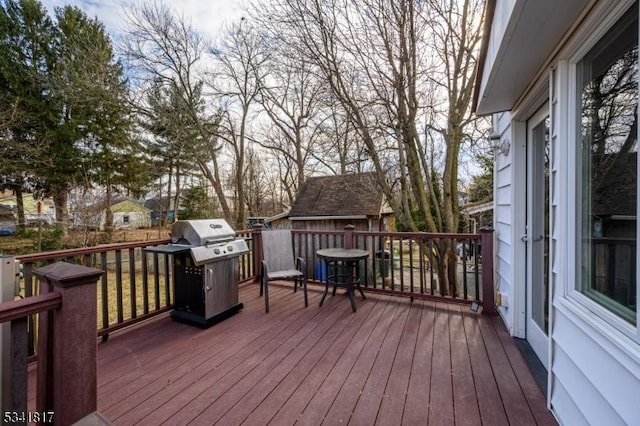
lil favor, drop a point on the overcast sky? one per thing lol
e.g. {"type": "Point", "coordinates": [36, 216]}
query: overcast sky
{"type": "Point", "coordinates": [206, 15]}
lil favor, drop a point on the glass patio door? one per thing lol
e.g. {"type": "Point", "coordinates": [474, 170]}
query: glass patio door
{"type": "Point", "coordinates": [536, 237]}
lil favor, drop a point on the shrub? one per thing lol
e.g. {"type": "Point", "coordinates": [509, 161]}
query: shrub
{"type": "Point", "coordinates": [52, 238]}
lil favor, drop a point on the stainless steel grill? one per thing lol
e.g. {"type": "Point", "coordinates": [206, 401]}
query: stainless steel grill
{"type": "Point", "coordinates": [205, 270]}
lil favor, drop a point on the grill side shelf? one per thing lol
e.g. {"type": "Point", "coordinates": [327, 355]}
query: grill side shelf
{"type": "Point", "coordinates": [168, 249]}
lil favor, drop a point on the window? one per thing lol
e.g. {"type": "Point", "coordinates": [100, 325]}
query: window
{"type": "Point", "coordinates": [125, 219]}
{"type": "Point", "coordinates": [608, 179]}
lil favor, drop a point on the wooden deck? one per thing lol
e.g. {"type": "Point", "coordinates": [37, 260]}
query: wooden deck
{"type": "Point", "coordinates": [392, 362]}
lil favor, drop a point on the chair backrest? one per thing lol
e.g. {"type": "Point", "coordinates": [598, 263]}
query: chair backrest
{"type": "Point", "coordinates": [277, 250]}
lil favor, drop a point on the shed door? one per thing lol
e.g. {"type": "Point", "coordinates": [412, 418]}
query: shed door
{"type": "Point", "coordinates": [536, 236]}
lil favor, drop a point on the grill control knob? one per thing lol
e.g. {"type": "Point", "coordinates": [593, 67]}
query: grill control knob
{"type": "Point", "coordinates": [230, 248]}
{"type": "Point", "coordinates": [216, 250]}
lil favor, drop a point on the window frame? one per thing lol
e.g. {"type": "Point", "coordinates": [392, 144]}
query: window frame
{"type": "Point", "coordinates": [586, 306]}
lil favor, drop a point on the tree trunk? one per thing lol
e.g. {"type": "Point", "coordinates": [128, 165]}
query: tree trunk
{"type": "Point", "coordinates": [60, 199]}
{"type": "Point", "coordinates": [20, 204]}
{"type": "Point", "coordinates": [108, 214]}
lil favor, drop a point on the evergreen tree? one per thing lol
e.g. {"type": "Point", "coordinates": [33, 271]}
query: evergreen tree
{"type": "Point", "coordinates": [73, 123]}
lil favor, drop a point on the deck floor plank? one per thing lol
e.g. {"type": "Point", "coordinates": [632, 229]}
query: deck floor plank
{"type": "Point", "coordinates": [289, 398]}
{"type": "Point", "coordinates": [239, 355]}
{"type": "Point", "coordinates": [372, 393]}
{"type": "Point", "coordinates": [315, 412]}
{"type": "Point", "coordinates": [440, 406]}
{"type": "Point", "coordinates": [465, 401]}
{"type": "Point", "coordinates": [352, 386]}
{"type": "Point", "coordinates": [392, 362]}
{"type": "Point", "coordinates": [489, 402]}
{"type": "Point", "coordinates": [201, 353]}
{"type": "Point", "coordinates": [513, 399]}
{"type": "Point", "coordinates": [308, 398]}
{"type": "Point", "coordinates": [253, 389]}
{"type": "Point", "coordinates": [416, 409]}
{"type": "Point", "coordinates": [528, 384]}
{"type": "Point", "coordinates": [395, 393]}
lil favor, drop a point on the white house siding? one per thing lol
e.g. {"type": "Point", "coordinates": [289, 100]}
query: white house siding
{"type": "Point", "coordinates": [590, 376]}
{"type": "Point", "coordinates": [595, 369]}
{"type": "Point", "coordinates": [594, 361]}
{"type": "Point", "coordinates": [503, 199]}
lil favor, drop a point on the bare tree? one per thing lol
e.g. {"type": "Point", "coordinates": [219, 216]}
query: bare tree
{"type": "Point", "coordinates": [395, 67]}
{"type": "Point", "coordinates": [368, 57]}
{"type": "Point", "coordinates": [455, 39]}
{"type": "Point", "coordinates": [236, 80]}
{"type": "Point", "coordinates": [165, 50]}
{"type": "Point", "coordinates": [290, 94]}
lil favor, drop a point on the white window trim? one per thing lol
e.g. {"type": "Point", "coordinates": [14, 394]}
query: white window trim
{"type": "Point", "coordinates": [593, 30]}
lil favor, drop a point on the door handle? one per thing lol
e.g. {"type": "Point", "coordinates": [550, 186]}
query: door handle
{"type": "Point", "coordinates": [525, 238]}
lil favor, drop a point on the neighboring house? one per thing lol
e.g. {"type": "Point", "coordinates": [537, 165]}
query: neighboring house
{"type": "Point", "coordinates": [126, 215]}
{"type": "Point", "coordinates": [332, 202]}
{"type": "Point", "coordinates": [7, 218]}
{"type": "Point", "coordinates": [560, 79]}
{"type": "Point", "coordinates": [479, 215]}
{"type": "Point", "coordinates": [32, 215]}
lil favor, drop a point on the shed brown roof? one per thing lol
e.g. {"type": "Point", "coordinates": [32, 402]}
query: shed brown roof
{"type": "Point", "coordinates": [341, 195]}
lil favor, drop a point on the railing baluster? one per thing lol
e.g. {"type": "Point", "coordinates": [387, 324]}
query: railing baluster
{"type": "Point", "coordinates": [422, 264]}
{"type": "Point", "coordinates": [476, 268]}
{"type": "Point", "coordinates": [104, 290]}
{"type": "Point", "coordinates": [145, 283]}
{"type": "Point", "coordinates": [156, 280]}
{"type": "Point", "coordinates": [463, 254]}
{"type": "Point", "coordinates": [132, 283]}
{"type": "Point", "coordinates": [102, 257]}
{"type": "Point", "coordinates": [411, 264]}
{"type": "Point", "coordinates": [401, 262]}
{"type": "Point", "coordinates": [119, 303]}
{"type": "Point", "coordinates": [431, 265]}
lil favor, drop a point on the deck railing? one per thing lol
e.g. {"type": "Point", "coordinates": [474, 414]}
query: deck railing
{"type": "Point", "coordinates": [415, 265]}
{"type": "Point", "coordinates": [134, 286]}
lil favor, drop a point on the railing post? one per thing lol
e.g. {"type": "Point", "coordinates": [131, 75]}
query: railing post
{"type": "Point", "coordinates": [348, 236]}
{"type": "Point", "coordinates": [256, 236]}
{"type": "Point", "coordinates": [67, 345]}
{"type": "Point", "coordinates": [488, 282]}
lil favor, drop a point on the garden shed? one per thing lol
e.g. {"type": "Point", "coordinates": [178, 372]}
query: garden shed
{"type": "Point", "coordinates": [332, 202]}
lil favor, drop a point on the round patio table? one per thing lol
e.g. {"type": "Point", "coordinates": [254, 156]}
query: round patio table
{"type": "Point", "coordinates": [345, 261]}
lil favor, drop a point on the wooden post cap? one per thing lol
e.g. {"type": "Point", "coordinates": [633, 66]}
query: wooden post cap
{"type": "Point", "coordinates": [65, 274]}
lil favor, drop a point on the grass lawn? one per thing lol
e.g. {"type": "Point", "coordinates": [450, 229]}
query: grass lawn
{"type": "Point", "coordinates": [112, 296]}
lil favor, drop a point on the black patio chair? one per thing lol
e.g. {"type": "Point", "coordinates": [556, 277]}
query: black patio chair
{"type": "Point", "coordinates": [278, 263]}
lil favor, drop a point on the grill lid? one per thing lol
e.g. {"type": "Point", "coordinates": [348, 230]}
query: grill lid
{"type": "Point", "coordinates": [201, 232]}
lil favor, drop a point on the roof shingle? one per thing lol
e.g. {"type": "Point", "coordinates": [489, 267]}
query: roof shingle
{"type": "Point", "coordinates": [341, 195]}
